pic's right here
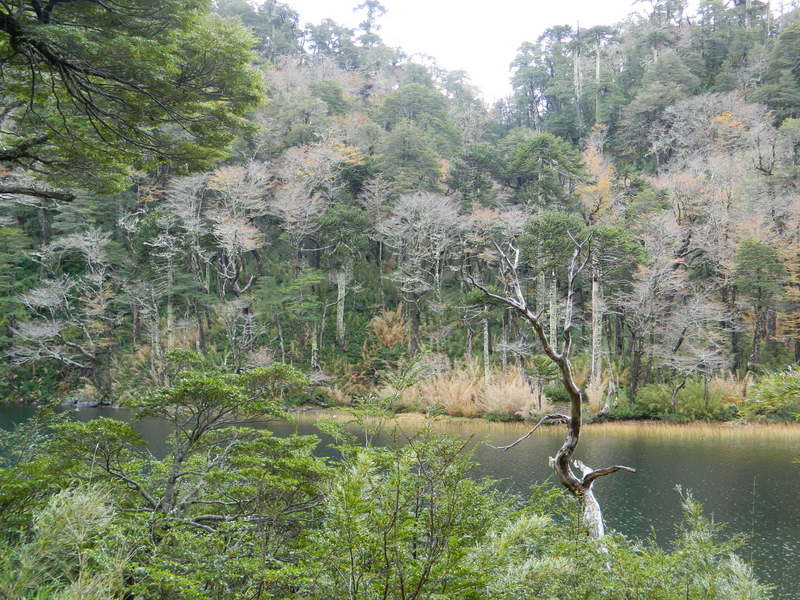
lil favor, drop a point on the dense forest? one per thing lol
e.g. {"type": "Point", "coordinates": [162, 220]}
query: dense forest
{"type": "Point", "coordinates": [327, 209]}
{"type": "Point", "coordinates": [327, 216]}
{"type": "Point", "coordinates": [211, 213]}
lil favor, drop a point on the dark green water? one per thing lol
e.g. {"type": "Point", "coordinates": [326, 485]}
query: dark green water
{"type": "Point", "coordinates": [744, 479]}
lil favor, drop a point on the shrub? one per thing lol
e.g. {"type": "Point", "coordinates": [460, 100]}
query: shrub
{"type": "Point", "coordinates": [775, 397]}
{"type": "Point", "coordinates": [654, 402]}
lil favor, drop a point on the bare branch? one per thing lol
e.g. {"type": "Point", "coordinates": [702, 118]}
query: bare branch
{"type": "Point", "coordinates": [588, 478]}
{"type": "Point", "coordinates": [544, 419]}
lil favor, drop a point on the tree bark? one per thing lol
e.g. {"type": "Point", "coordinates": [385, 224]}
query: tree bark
{"type": "Point", "coordinates": [487, 374]}
{"type": "Point", "coordinates": [553, 311]}
{"type": "Point", "coordinates": [597, 82]}
{"type": "Point", "coordinates": [415, 326]}
{"type": "Point", "coordinates": [596, 370]}
{"type": "Point", "coordinates": [341, 294]}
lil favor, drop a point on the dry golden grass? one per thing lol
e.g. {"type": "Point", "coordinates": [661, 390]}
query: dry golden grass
{"type": "Point", "coordinates": [731, 388]}
{"type": "Point", "coordinates": [509, 394]}
{"type": "Point", "coordinates": [462, 393]}
{"type": "Point", "coordinates": [454, 392]}
{"type": "Point", "coordinates": [773, 432]}
{"type": "Point", "coordinates": [595, 393]}
{"type": "Point", "coordinates": [699, 430]}
{"type": "Point", "coordinates": [389, 327]}
{"type": "Point", "coordinates": [339, 396]}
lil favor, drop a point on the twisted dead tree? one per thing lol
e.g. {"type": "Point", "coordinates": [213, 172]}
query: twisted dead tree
{"type": "Point", "coordinates": [577, 477]}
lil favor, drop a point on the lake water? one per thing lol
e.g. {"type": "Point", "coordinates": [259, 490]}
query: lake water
{"type": "Point", "coordinates": [745, 477]}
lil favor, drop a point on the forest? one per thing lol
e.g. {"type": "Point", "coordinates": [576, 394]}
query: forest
{"type": "Point", "coordinates": [213, 214]}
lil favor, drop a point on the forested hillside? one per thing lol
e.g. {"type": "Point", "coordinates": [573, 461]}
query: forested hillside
{"type": "Point", "coordinates": [308, 195]}
{"type": "Point", "coordinates": [211, 213]}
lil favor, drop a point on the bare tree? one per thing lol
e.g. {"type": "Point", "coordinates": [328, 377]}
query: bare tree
{"type": "Point", "coordinates": [422, 229]}
{"type": "Point", "coordinates": [689, 341]}
{"type": "Point", "coordinates": [70, 317]}
{"type": "Point", "coordinates": [578, 483]}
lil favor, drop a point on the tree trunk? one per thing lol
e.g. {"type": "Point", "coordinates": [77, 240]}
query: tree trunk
{"type": "Point", "coordinates": [577, 84]}
{"type": "Point", "coordinates": [504, 341]}
{"type": "Point", "coordinates": [44, 223]}
{"type": "Point", "coordinates": [755, 354]}
{"type": "Point", "coordinates": [415, 326]}
{"type": "Point", "coordinates": [636, 368]}
{"type": "Point", "coordinates": [553, 312]}
{"type": "Point", "coordinates": [341, 293]}
{"type": "Point", "coordinates": [674, 400]}
{"type": "Point", "coordinates": [597, 83]}
{"type": "Point", "coordinates": [487, 374]}
{"type": "Point", "coordinates": [201, 332]}
{"type": "Point", "coordinates": [596, 371]}
{"type": "Point", "coordinates": [314, 347]}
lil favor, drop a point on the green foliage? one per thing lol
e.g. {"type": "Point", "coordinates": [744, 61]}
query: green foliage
{"type": "Point", "coordinates": [74, 551]}
{"type": "Point", "coordinates": [104, 90]}
{"type": "Point", "coordinates": [758, 271]}
{"type": "Point", "coordinates": [549, 240]}
{"type": "Point", "coordinates": [409, 158]}
{"type": "Point", "coordinates": [776, 397]}
{"type": "Point", "coordinates": [542, 169]}
{"type": "Point", "coordinates": [399, 520]}
{"type": "Point", "coordinates": [653, 401]}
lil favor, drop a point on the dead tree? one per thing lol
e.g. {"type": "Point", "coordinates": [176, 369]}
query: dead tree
{"type": "Point", "coordinates": [573, 474]}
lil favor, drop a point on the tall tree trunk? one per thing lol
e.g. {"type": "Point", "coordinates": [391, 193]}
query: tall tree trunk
{"type": "Point", "coordinates": [596, 370]}
{"type": "Point", "coordinates": [415, 326]}
{"type": "Point", "coordinates": [281, 344]}
{"type": "Point", "coordinates": [201, 332]}
{"type": "Point", "coordinates": [577, 83]}
{"type": "Point", "coordinates": [553, 311]}
{"type": "Point", "coordinates": [341, 293]}
{"type": "Point", "coordinates": [755, 354]}
{"type": "Point", "coordinates": [636, 367]}
{"type": "Point", "coordinates": [469, 345]}
{"type": "Point", "coordinates": [314, 347]}
{"type": "Point", "coordinates": [44, 222]}
{"type": "Point", "coordinates": [597, 82]}
{"type": "Point", "coordinates": [504, 340]}
{"type": "Point", "coordinates": [487, 373]}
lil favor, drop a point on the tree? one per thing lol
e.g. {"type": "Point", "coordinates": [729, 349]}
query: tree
{"type": "Point", "coordinates": [689, 342]}
{"type": "Point", "coordinates": [217, 513]}
{"type": "Point", "coordinates": [758, 275]}
{"type": "Point", "coordinates": [423, 229]}
{"type": "Point", "coordinates": [781, 90]}
{"type": "Point", "coordinates": [543, 170]}
{"type": "Point", "coordinates": [92, 91]}
{"type": "Point", "coordinates": [580, 484]}
{"type": "Point", "coordinates": [72, 318]}
{"type": "Point", "coordinates": [408, 157]}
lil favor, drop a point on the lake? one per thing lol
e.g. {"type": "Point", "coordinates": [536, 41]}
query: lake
{"type": "Point", "coordinates": [744, 476]}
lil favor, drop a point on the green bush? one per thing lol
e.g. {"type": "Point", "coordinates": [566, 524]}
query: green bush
{"type": "Point", "coordinates": [776, 397]}
{"type": "Point", "coordinates": [654, 401]}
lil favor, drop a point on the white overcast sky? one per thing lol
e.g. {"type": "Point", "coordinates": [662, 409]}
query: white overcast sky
{"type": "Point", "coordinates": [480, 37]}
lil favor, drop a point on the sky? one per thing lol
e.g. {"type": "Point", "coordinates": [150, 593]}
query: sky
{"type": "Point", "coordinates": [480, 37]}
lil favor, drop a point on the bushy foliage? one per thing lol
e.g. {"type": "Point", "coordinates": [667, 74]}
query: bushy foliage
{"type": "Point", "coordinates": [775, 397]}
{"type": "Point", "coordinates": [268, 518]}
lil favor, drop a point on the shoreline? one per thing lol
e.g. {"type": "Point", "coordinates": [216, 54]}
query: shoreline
{"type": "Point", "coordinates": [622, 426]}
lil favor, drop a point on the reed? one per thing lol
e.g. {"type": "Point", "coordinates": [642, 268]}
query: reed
{"type": "Point", "coordinates": [462, 392]}
{"type": "Point", "coordinates": [479, 428]}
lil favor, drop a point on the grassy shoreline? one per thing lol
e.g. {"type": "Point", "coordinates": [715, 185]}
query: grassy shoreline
{"type": "Point", "coordinates": [418, 419]}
